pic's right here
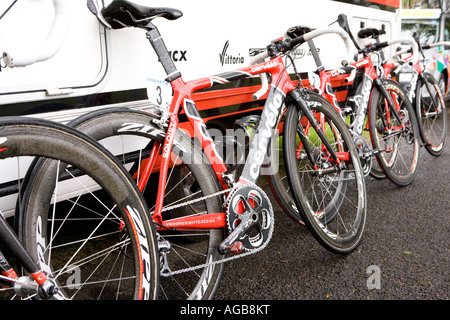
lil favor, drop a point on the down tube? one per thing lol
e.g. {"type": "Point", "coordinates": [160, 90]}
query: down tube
{"type": "Point", "coordinates": [261, 141]}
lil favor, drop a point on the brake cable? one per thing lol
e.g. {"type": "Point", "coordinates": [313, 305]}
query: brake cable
{"type": "Point", "coordinates": [7, 9]}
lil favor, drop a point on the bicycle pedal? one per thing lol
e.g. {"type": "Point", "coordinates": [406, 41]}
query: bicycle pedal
{"type": "Point", "coordinates": [236, 247]}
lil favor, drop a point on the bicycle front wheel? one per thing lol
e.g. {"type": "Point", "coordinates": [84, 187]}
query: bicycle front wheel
{"type": "Point", "coordinates": [82, 219]}
{"type": "Point", "coordinates": [331, 197]}
{"type": "Point", "coordinates": [395, 133]}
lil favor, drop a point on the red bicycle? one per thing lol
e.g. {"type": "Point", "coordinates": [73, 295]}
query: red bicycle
{"type": "Point", "coordinates": [203, 210]}
{"type": "Point", "coordinates": [391, 121]}
{"type": "Point", "coordinates": [365, 93]}
{"type": "Point", "coordinates": [422, 89]}
{"type": "Point", "coordinates": [424, 92]}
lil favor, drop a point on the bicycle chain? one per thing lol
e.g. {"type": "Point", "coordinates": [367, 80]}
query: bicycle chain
{"type": "Point", "coordinates": [208, 264]}
{"type": "Point", "coordinates": [175, 206]}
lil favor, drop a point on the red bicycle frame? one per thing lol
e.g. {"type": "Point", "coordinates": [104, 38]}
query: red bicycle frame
{"type": "Point", "coordinates": [182, 99]}
{"type": "Point", "coordinates": [365, 91]}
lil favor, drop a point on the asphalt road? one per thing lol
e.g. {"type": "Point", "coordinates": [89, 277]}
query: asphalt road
{"type": "Point", "coordinates": [404, 254]}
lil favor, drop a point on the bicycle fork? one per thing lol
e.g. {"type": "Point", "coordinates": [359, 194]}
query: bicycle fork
{"type": "Point", "coordinates": [392, 106]}
{"type": "Point", "coordinates": [23, 286]}
{"type": "Point", "coordinates": [297, 96]}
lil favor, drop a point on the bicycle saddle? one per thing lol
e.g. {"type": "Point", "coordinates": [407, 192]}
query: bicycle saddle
{"type": "Point", "coordinates": [122, 13]}
{"type": "Point", "coordinates": [369, 33]}
{"type": "Point", "coordinates": [298, 31]}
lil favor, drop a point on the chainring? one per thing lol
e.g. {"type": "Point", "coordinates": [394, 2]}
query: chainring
{"type": "Point", "coordinates": [248, 201]}
{"type": "Point", "coordinates": [363, 147]}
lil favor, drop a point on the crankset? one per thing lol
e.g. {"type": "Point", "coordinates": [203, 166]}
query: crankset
{"type": "Point", "coordinates": [365, 153]}
{"type": "Point", "coordinates": [250, 219]}
{"type": "Point", "coordinates": [408, 132]}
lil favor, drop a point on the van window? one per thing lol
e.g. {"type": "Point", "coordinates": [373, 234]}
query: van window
{"type": "Point", "coordinates": [427, 28]}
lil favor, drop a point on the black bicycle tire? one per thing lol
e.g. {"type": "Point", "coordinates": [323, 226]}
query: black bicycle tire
{"type": "Point", "coordinates": [400, 179]}
{"type": "Point", "coordinates": [333, 241]}
{"type": "Point", "coordinates": [111, 121]}
{"type": "Point", "coordinates": [283, 195]}
{"type": "Point", "coordinates": [280, 189]}
{"type": "Point", "coordinates": [41, 138]}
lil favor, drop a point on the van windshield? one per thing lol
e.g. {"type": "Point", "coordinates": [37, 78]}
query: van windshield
{"type": "Point", "coordinates": [427, 28]}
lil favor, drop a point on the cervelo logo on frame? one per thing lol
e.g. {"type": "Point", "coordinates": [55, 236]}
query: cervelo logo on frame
{"type": "Point", "coordinates": [362, 102]}
{"type": "Point", "coordinates": [169, 137]}
{"type": "Point", "coordinates": [271, 114]}
{"type": "Point", "coordinates": [266, 66]}
{"type": "Point", "coordinates": [362, 63]}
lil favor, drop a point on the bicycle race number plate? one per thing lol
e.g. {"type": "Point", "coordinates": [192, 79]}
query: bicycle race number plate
{"type": "Point", "coordinates": [159, 91]}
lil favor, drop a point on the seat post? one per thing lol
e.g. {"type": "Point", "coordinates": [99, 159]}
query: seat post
{"type": "Point", "coordinates": [160, 48]}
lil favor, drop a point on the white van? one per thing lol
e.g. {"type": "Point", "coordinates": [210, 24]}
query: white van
{"type": "Point", "coordinates": [64, 63]}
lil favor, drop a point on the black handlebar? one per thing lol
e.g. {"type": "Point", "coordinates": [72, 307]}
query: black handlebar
{"type": "Point", "coordinates": [371, 33]}
{"type": "Point", "coordinates": [374, 47]}
{"type": "Point", "coordinates": [297, 37]}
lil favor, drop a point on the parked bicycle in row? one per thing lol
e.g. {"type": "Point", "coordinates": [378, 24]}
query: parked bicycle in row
{"type": "Point", "coordinates": [178, 211]}
{"type": "Point", "coordinates": [206, 211]}
{"type": "Point", "coordinates": [368, 106]}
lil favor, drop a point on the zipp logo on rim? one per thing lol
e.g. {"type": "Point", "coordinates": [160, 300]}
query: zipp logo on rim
{"type": "Point", "coordinates": [141, 128]}
{"type": "Point", "coordinates": [206, 280]}
{"type": "Point", "coordinates": [144, 251]}
{"type": "Point", "coordinates": [314, 104]}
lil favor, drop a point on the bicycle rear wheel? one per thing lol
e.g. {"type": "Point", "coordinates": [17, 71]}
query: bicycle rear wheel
{"type": "Point", "coordinates": [398, 141]}
{"type": "Point", "coordinates": [331, 199]}
{"type": "Point", "coordinates": [431, 115]}
{"type": "Point", "coordinates": [111, 256]}
{"type": "Point", "coordinates": [130, 135]}
{"type": "Point", "coordinates": [279, 183]}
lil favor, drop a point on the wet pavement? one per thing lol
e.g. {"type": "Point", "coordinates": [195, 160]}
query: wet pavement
{"type": "Point", "coordinates": [404, 254]}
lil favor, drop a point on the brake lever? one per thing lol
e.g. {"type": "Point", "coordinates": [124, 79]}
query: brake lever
{"type": "Point", "coordinates": [92, 6]}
